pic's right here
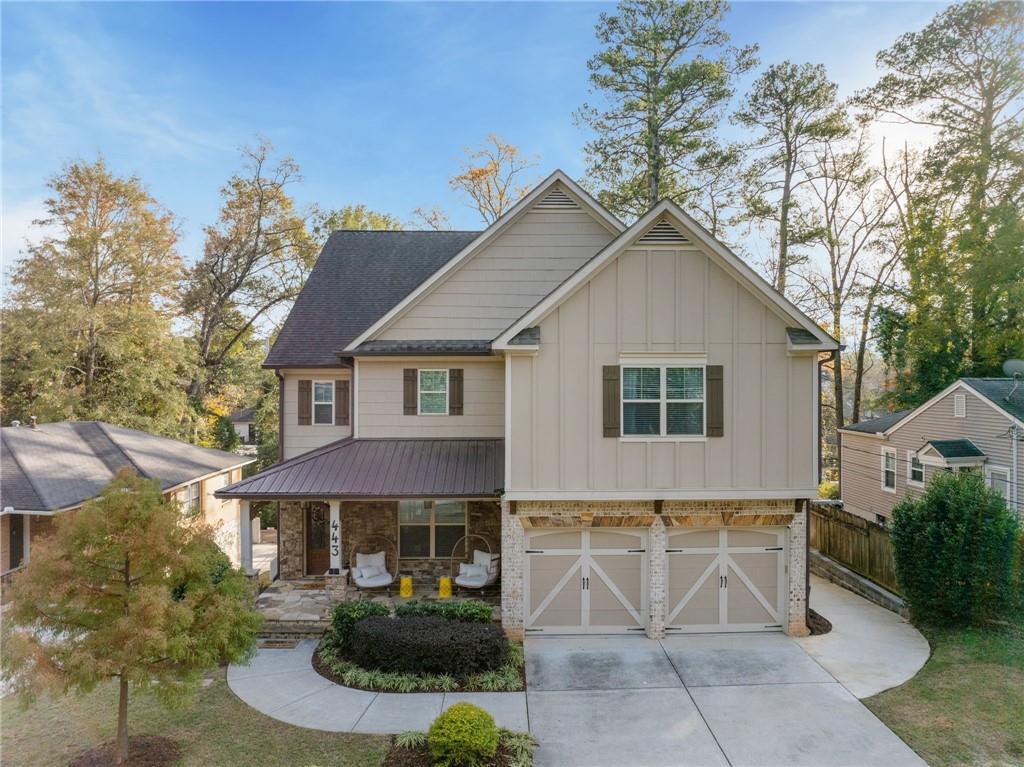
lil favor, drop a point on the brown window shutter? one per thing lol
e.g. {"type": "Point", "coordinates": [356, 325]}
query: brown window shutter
{"type": "Point", "coordinates": [305, 403]}
{"type": "Point", "coordinates": [715, 402]}
{"type": "Point", "coordinates": [612, 403]}
{"type": "Point", "coordinates": [342, 403]}
{"type": "Point", "coordinates": [409, 391]}
{"type": "Point", "coordinates": [455, 391]}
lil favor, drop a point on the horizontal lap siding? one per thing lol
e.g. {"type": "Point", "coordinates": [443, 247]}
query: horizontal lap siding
{"type": "Point", "coordinates": [301, 439]}
{"type": "Point", "coordinates": [380, 401]}
{"type": "Point", "coordinates": [663, 301]}
{"type": "Point", "coordinates": [505, 278]}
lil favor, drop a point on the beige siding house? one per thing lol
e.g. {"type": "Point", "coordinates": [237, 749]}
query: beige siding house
{"type": "Point", "coordinates": [626, 415]}
{"type": "Point", "coordinates": [976, 424]}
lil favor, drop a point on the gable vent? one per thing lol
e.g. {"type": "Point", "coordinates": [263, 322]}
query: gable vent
{"type": "Point", "coordinates": [556, 199]}
{"type": "Point", "coordinates": [663, 233]}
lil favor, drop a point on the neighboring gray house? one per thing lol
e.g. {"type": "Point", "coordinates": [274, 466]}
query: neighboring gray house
{"type": "Point", "coordinates": [53, 468]}
{"type": "Point", "coordinates": [244, 421]}
{"type": "Point", "coordinates": [976, 424]}
{"type": "Point", "coordinates": [627, 414]}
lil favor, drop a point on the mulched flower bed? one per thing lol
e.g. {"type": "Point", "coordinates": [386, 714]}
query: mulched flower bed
{"type": "Point", "coordinates": [817, 624]}
{"type": "Point", "coordinates": [419, 756]}
{"type": "Point", "coordinates": [143, 751]}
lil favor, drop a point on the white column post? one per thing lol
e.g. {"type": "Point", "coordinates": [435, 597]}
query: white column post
{"type": "Point", "coordinates": [335, 538]}
{"type": "Point", "coordinates": [245, 537]}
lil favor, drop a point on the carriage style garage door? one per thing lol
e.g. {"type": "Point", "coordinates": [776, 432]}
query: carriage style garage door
{"type": "Point", "coordinates": [729, 579]}
{"type": "Point", "coordinates": [591, 581]}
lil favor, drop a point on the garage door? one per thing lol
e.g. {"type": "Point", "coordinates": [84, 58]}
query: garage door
{"type": "Point", "coordinates": [728, 579]}
{"type": "Point", "coordinates": [590, 581]}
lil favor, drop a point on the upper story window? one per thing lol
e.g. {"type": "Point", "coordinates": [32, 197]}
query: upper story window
{"type": "Point", "coordinates": [663, 401]}
{"type": "Point", "coordinates": [433, 392]}
{"type": "Point", "coordinates": [889, 469]}
{"type": "Point", "coordinates": [959, 405]}
{"type": "Point", "coordinates": [323, 403]}
{"type": "Point", "coordinates": [915, 469]}
{"type": "Point", "coordinates": [191, 500]}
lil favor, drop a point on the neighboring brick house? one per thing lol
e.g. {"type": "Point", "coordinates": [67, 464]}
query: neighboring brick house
{"type": "Point", "coordinates": [53, 468]}
{"type": "Point", "coordinates": [628, 414]}
{"type": "Point", "coordinates": [976, 424]}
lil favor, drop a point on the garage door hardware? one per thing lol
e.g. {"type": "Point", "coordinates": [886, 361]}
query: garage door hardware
{"type": "Point", "coordinates": [774, 548]}
{"type": "Point", "coordinates": [586, 583]}
{"type": "Point", "coordinates": [636, 551]}
{"type": "Point", "coordinates": [535, 551]}
{"type": "Point", "coordinates": [723, 581]}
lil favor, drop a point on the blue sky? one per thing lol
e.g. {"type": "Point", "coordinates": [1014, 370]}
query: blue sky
{"type": "Point", "coordinates": [374, 101]}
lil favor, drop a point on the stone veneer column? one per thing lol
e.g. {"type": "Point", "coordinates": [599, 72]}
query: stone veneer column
{"type": "Point", "coordinates": [513, 555]}
{"type": "Point", "coordinates": [657, 565]}
{"type": "Point", "coordinates": [291, 549]}
{"type": "Point", "coordinates": [797, 602]}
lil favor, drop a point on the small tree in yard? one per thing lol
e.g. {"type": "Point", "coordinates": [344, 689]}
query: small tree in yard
{"type": "Point", "coordinates": [955, 549]}
{"type": "Point", "coordinates": [126, 590]}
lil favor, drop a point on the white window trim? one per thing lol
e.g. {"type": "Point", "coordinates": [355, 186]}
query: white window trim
{"type": "Point", "coordinates": [432, 525]}
{"type": "Point", "coordinates": [198, 487]}
{"type": "Point", "coordinates": [911, 482]}
{"type": "Point", "coordinates": [420, 392]}
{"type": "Point", "coordinates": [315, 403]}
{"type": "Point", "coordinates": [1005, 471]}
{"type": "Point", "coordinates": [663, 400]}
{"type": "Point", "coordinates": [895, 469]}
{"type": "Point", "coordinates": [959, 405]}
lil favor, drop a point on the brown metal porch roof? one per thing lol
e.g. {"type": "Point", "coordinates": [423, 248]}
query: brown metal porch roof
{"type": "Point", "coordinates": [383, 468]}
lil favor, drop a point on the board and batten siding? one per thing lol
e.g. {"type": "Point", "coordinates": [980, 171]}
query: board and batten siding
{"type": "Point", "coordinates": [299, 439]}
{"type": "Point", "coordinates": [861, 460]}
{"type": "Point", "coordinates": [508, 276]}
{"type": "Point", "coordinates": [380, 400]}
{"type": "Point", "coordinates": [663, 301]}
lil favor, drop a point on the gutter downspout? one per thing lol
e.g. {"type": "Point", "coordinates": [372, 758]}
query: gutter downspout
{"type": "Point", "coordinates": [1015, 438]}
{"type": "Point", "coordinates": [280, 455]}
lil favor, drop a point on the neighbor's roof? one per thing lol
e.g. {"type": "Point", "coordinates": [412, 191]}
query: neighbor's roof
{"type": "Point", "coordinates": [367, 468]}
{"type": "Point", "coordinates": [358, 278]}
{"type": "Point", "coordinates": [243, 415]}
{"type": "Point", "coordinates": [878, 425]}
{"type": "Point", "coordinates": [956, 448]}
{"type": "Point", "coordinates": [1007, 393]}
{"type": "Point", "coordinates": [61, 465]}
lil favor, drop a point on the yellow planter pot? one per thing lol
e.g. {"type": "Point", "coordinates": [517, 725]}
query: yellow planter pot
{"type": "Point", "coordinates": [405, 586]}
{"type": "Point", "coordinates": [444, 588]}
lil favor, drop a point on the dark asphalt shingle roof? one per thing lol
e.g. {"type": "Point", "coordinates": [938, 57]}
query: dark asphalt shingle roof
{"type": "Point", "coordinates": [442, 346]}
{"type": "Point", "coordinates": [61, 465]}
{"type": "Point", "coordinates": [956, 448]}
{"type": "Point", "coordinates": [526, 337]}
{"type": "Point", "coordinates": [801, 337]}
{"type": "Point", "coordinates": [1001, 392]}
{"type": "Point", "coordinates": [366, 468]}
{"type": "Point", "coordinates": [879, 425]}
{"type": "Point", "coordinates": [358, 278]}
{"type": "Point", "coordinates": [243, 415]}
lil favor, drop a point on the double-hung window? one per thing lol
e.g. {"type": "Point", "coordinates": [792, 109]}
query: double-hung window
{"type": "Point", "coordinates": [323, 403]}
{"type": "Point", "coordinates": [663, 401]}
{"type": "Point", "coordinates": [190, 498]}
{"type": "Point", "coordinates": [430, 528]}
{"type": "Point", "coordinates": [999, 480]}
{"type": "Point", "coordinates": [889, 469]}
{"type": "Point", "coordinates": [433, 392]}
{"type": "Point", "coordinates": [915, 469]}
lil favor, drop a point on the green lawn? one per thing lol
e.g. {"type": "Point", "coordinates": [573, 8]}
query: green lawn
{"type": "Point", "coordinates": [217, 729]}
{"type": "Point", "coordinates": [966, 706]}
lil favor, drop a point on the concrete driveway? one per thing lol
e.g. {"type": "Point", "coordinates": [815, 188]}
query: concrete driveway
{"type": "Point", "coordinates": [719, 699]}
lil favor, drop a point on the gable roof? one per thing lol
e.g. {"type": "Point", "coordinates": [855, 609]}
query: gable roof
{"type": "Point", "coordinates": [357, 278]}
{"type": "Point", "coordinates": [61, 465]}
{"type": "Point", "coordinates": [954, 448]}
{"type": "Point", "coordinates": [537, 193]}
{"type": "Point", "coordinates": [725, 258]}
{"type": "Point", "coordinates": [244, 415]}
{"type": "Point", "coordinates": [878, 425]}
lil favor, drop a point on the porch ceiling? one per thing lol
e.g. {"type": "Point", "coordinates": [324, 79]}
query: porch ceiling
{"type": "Point", "coordinates": [383, 468]}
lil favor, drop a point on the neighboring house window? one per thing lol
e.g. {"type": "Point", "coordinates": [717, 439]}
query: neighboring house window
{"type": "Point", "coordinates": [915, 469]}
{"type": "Point", "coordinates": [433, 392]}
{"type": "Point", "coordinates": [430, 529]}
{"type": "Point", "coordinates": [663, 401]}
{"type": "Point", "coordinates": [888, 469]}
{"type": "Point", "coordinates": [960, 405]}
{"type": "Point", "coordinates": [191, 500]}
{"type": "Point", "coordinates": [999, 480]}
{"type": "Point", "coordinates": [323, 403]}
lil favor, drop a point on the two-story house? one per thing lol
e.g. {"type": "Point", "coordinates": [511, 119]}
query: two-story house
{"type": "Point", "coordinates": [975, 424]}
{"type": "Point", "coordinates": [628, 414]}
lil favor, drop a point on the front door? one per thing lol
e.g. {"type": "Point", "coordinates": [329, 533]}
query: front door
{"type": "Point", "coordinates": [318, 553]}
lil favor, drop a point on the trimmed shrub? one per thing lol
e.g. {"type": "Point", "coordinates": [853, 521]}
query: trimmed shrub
{"type": "Point", "coordinates": [954, 551]}
{"type": "Point", "coordinates": [427, 645]}
{"type": "Point", "coordinates": [463, 736]}
{"type": "Point", "coordinates": [471, 610]}
{"type": "Point", "coordinates": [345, 615]}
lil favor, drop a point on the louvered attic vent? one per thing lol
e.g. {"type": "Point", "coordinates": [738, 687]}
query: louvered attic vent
{"type": "Point", "coordinates": [556, 199]}
{"type": "Point", "coordinates": [663, 233]}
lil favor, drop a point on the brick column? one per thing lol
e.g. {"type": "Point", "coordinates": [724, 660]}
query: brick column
{"type": "Point", "coordinates": [513, 539]}
{"type": "Point", "coordinates": [796, 624]}
{"type": "Point", "coordinates": [291, 541]}
{"type": "Point", "coordinates": [657, 565]}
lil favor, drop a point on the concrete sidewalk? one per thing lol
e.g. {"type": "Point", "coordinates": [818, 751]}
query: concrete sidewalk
{"type": "Point", "coordinates": [870, 649]}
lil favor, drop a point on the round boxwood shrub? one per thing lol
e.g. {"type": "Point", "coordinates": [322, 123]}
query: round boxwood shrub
{"type": "Point", "coordinates": [463, 736]}
{"type": "Point", "coordinates": [427, 645]}
{"type": "Point", "coordinates": [345, 615]}
{"type": "Point", "coordinates": [954, 551]}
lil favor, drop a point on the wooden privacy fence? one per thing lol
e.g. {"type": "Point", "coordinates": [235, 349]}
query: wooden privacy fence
{"type": "Point", "coordinates": [855, 542]}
